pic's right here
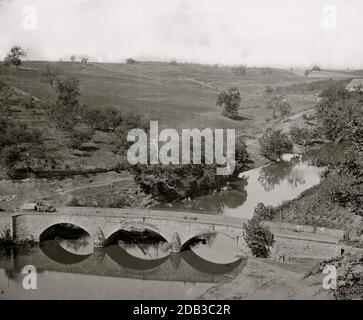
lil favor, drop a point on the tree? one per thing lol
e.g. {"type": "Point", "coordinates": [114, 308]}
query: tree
{"type": "Point", "coordinates": [258, 237]}
{"type": "Point", "coordinates": [274, 144]}
{"type": "Point", "coordinates": [171, 182]}
{"type": "Point", "coordinates": [277, 101]}
{"type": "Point", "coordinates": [73, 58]}
{"type": "Point", "coordinates": [230, 100]}
{"type": "Point", "coordinates": [14, 56]}
{"type": "Point", "coordinates": [64, 113]}
{"type": "Point", "coordinates": [340, 116]}
{"type": "Point", "coordinates": [242, 158]}
{"type": "Point", "coordinates": [301, 135]}
{"type": "Point", "coordinates": [131, 61]}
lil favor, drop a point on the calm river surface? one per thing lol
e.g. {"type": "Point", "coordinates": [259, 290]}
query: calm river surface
{"type": "Point", "coordinates": [71, 269]}
{"type": "Point", "coordinates": [271, 185]}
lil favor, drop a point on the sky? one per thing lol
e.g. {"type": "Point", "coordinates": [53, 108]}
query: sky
{"type": "Point", "coordinates": [280, 33]}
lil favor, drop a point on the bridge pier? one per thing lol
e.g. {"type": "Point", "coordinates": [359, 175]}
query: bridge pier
{"type": "Point", "coordinates": [175, 243]}
{"type": "Point", "coordinates": [99, 239]}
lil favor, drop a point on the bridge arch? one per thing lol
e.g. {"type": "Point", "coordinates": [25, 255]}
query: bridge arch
{"type": "Point", "coordinates": [64, 230]}
{"type": "Point", "coordinates": [112, 233]}
{"type": "Point", "coordinates": [212, 233]}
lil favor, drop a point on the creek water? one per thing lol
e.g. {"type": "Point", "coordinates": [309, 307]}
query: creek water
{"type": "Point", "coordinates": [271, 185]}
{"type": "Point", "coordinates": [72, 269]}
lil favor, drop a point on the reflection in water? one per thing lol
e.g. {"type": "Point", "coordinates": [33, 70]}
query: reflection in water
{"type": "Point", "coordinates": [231, 196]}
{"type": "Point", "coordinates": [127, 260]}
{"type": "Point", "coordinates": [271, 185]}
{"type": "Point", "coordinates": [277, 172]}
{"type": "Point", "coordinates": [206, 266]}
{"type": "Point", "coordinates": [54, 250]}
{"type": "Point", "coordinates": [214, 247]}
{"type": "Point", "coordinates": [119, 270]}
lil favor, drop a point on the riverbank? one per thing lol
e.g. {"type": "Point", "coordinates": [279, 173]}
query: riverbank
{"type": "Point", "coordinates": [268, 279]}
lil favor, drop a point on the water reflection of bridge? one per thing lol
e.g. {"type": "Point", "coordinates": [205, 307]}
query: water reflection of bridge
{"type": "Point", "coordinates": [115, 262]}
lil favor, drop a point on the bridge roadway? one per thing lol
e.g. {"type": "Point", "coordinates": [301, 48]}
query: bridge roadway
{"type": "Point", "coordinates": [176, 228]}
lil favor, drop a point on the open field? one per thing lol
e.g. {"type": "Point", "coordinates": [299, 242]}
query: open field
{"type": "Point", "coordinates": [179, 96]}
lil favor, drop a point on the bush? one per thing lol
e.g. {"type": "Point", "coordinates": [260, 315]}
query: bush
{"type": "Point", "coordinates": [264, 212]}
{"type": "Point", "coordinates": [274, 144]}
{"type": "Point", "coordinates": [104, 119]}
{"type": "Point", "coordinates": [301, 135]}
{"type": "Point", "coordinates": [79, 136]}
{"type": "Point", "coordinates": [258, 237]}
{"type": "Point", "coordinates": [64, 113]}
{"type": "Point", "coordinates": [349, 272]}
{"type": "Point", "coordinates": [22, 147]}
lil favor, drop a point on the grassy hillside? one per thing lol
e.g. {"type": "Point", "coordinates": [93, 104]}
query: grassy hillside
{"type": "Point", "coordinates": [180, 96]}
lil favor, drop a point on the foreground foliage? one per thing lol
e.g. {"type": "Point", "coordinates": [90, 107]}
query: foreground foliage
{"type": "Point", "coordinates": [350, 274]}
{"type": "Point", "coordinates": [258, 236]}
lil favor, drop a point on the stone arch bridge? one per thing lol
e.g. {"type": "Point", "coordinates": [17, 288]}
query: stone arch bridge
{"type": "Point", "coordinates": [175, 227]}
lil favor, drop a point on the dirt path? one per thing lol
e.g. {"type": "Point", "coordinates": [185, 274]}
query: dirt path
{"type": "Point", "coordinates": [267, 279]}
{"type": "Point", "coordinates": [95, 185]}
{"type": "Point", "coordinates": [124, 72]}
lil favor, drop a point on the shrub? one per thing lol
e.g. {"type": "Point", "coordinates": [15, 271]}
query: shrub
{"type": "Point", "coordinates": [30, 103]}
{"type": "Point", "coordinates": [349, 272]}
{"type": "Point", "coordinates": [301, 135]}
{"type": "Point", "coordinates": [274, 144]}
{"type": "Point", "coordinates": [79, 136]}
{"type": "Point", "coordinates": [258, 237]}
{"type": "Point", "coordinates": [104, 119]}
{"type": "Point", "coordinates": [22, 147]}
{"type": "Point", "coordinates": [264, 212]}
